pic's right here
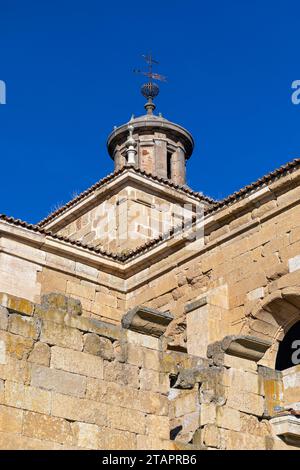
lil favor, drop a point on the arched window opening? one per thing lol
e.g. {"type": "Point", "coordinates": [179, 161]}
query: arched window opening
{"type": "Point", "coordinates": [289, 349]}
{"type": "Point", "coordinates": [169, 165]}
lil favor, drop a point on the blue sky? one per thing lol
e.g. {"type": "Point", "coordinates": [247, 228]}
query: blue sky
{"type": "Point", "coordinates": [68, 71]}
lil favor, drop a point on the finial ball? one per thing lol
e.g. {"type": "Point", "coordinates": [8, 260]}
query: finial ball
{"type": "Point", "coordinates": [150, 90]}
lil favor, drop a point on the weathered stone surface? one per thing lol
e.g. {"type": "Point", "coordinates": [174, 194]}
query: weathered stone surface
{"type": "Point", "coordinates": [98, 346]}
{"type": "Point", "coordinates": [158, 426]}
{"type": "Point", "coordinates": [27, 398]}
{"type": "Point", "coordinates": [287, 427]}
{"type": "Point", "coordinates": [40, 426]}
{"type": "Point", "coordinates": [126, 419]}
{"type": "Point", "coordinates": [147, 321]}
{"type": "Point", "coordinates": [58, 381]}
{"type": "Point", "coordinates": [40, 354]}
{"type": "Point", "coordinates": [14, 369]}
{"type": "Point", "coordinates": [78, 409]}
{"type": "Point", "coordinates": [24, 326]}
{"type": "Point", "coordinates": [228, 418]}
{"type": "Point", "coordinates": [62, 302]}
{"type": "Point", "coordinates": [211, 436]}
{"type": "Point", "coordinates": [121, 373]}
{"type": "Point", "coordinates": [3, 318]}
{"type": "Point", "coordinates": [87, 436]}
{"type": "Point", "coordinates": [10, 419]}
{"type": "Point", "coordinates": [14, 346]}
{"type": "Point", "coordinates": [153, 380]}
{"type": "Point", "coordinates": [187, 402]}
{"type": "Point", "coordinates": [79, 382]}
{"type": "Point", "coordinates": [60, 335]}
{"type": "Point", "coordinates": [76, 362]}
{"type": "Point", "coordinates": [16, 304]}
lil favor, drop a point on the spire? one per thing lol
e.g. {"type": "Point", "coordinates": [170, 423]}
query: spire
{"type": "Point", "coordinates": [150, 90]}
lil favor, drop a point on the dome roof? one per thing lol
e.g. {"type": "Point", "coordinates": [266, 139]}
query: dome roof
{"type": "Point", "coordinates": [151, 123]}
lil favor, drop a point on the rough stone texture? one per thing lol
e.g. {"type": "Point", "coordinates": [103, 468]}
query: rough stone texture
{"type": "Point", "coordinates": [40, 354]}
{"type": "Point", "coordinates": [71, 376]}
{"type": "Point", "coordinates": [94, 344]}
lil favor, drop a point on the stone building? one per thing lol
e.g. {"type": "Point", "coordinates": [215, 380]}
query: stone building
{"type": "Point", "coordinates": [145, 315]}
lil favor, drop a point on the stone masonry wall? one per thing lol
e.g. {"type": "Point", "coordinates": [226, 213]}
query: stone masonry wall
{"type": "Point", "coordinates": [127, 220]}
{"type": "Point", "coordinates": [69, 382]}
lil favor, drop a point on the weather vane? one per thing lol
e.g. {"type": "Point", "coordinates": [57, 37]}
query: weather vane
{"type": "Point", "coordinates": [150, 90]}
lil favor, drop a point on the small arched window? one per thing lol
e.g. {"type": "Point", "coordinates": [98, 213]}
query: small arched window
{"type": "Point", "coordinates": [289, 349]}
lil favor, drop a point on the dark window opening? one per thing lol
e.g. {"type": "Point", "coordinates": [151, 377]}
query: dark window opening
{"type": "Point", "coordinates": [169, 169]}
{"type": "Point", "coordinates": [289, 349]}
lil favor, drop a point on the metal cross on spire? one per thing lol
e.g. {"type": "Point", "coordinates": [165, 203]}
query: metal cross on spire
{"type": "Point", "coordinates": [150, 90]}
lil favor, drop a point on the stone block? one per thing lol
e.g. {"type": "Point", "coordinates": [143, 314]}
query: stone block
{"type": "Point", "coordinates": [2, 391]}
{"type": "Point", "coordinates": [208, 413]}
{"type": "Point", "coordinates": [152, 403]}
{"type": "Point", "coordinates": [211, 436]}
{"type": "Point", "coordinates": [246, 402]}
{"type": "Point", "coordinates": [106, 299]}
{"type": "Point", "coordinates": [86, 435]}
{"type": "Point", "coordinates": [146, 341]}
{"type": "Point", "coordinates": [254, 426]}
{"type": "Point", "coordinates": [113, 439]}
{"type": "Point", "coordinates": [228, 418]}
{"type": "Point", "coordinates": [78, 409]}
{"type": "Point", "coordinates": [98, 346]}
{"type": "Point", "coordinates": [24, 326]}
{"type": "Point", "coordinates": [239, 363]}
{"type": "Point", "coordinates": [60, 335]}
{"type": "Point", "coordinates": [294, 264]}
{"type": "Point", "coordinates": [150, 443]}
{"type": "Point", "coordinates": [80, 290]}
{"type": "Point", "coordinates": [155, 381]}
{"type": "Point", "coordinates": [58, 381]}
{"type": "Point", "coordinates": [158, 426]}
{"type": "Point", "coordinates": [186, 403]}
{"type": "Point", "coordinates": [121, 373]}
{"type": "Point", "coordinates": [2, 352]}
{"type": "Point", "coordinates": [15, 370]}
{"type": "Point", "coordinates": [126, 419]}
{"type": "Point", "coordinates": [135, 355]}
{"type": "Point", "coordinates": [151, 359]}
{"type": "Point", "coordinates": [3, 318]}
{"type": "Point", "coordinates": [256, 294]}
{"type": "Point", "coordinates": [10, 419]}
{"type": "Point", "coordinates": [76, 362]}
{"type": "Point", "coordinates": [16, 304]}
{"type": "Point", "coordinates": [27, 398]}
{"type": "Point", "coordinates": [43, 427]}
{"type": "Point", "coordinates": [241, 380]}
{"type": "Point", "coordinates": [14, 345]}
{"type": "Point", "coordinates": [40, 354]}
